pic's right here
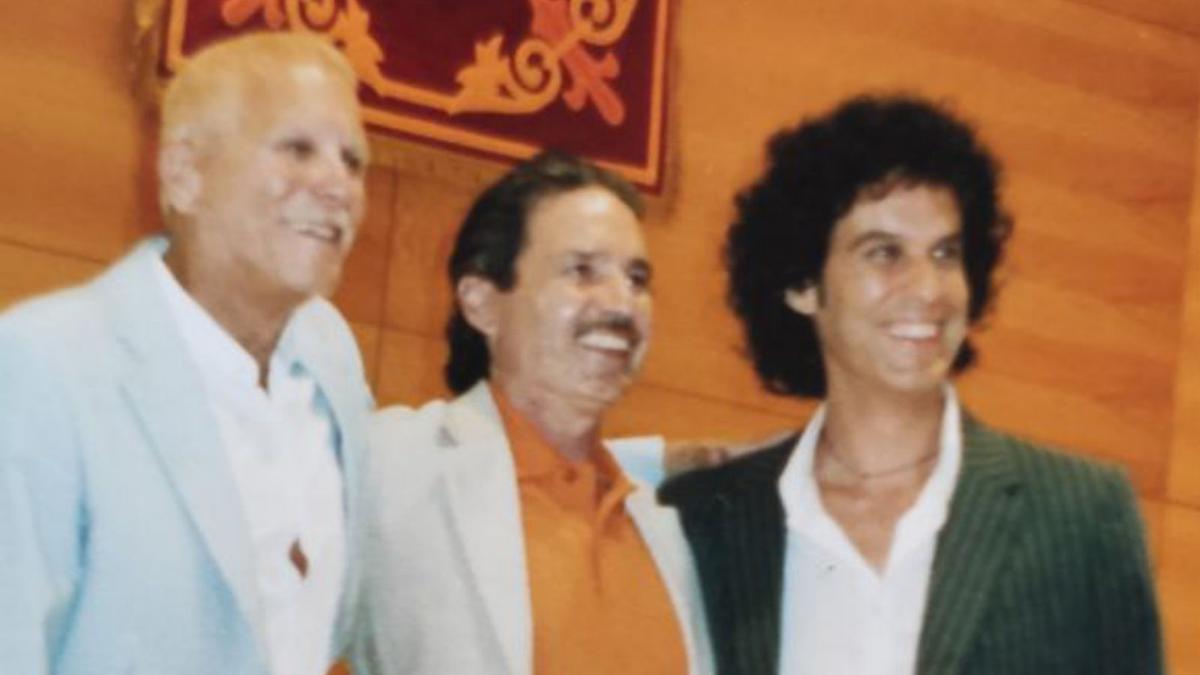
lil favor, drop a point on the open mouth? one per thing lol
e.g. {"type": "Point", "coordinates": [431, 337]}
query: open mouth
{"type": "Point", "coordinates": [306, 215]}
{"type": "Point", "coordinates": [609, 341]}
{"type": "Point", "coordinates": [322, 231]}
{"type": "Point", "coordinates": [914, 330]}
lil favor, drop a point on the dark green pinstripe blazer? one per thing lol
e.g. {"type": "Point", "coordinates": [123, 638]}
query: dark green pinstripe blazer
{"type": "Point", "coordinates": [1040, 568]}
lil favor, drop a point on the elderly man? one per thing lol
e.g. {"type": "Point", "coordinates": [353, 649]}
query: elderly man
{"type": "Point", "coordinates": [897, 534]}
{"type": "Point", "coordinates": [502, 535]}
{"type": "Point", "coordinates": [178, 437]}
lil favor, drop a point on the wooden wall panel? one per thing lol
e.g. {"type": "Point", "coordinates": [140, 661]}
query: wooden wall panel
{"type": "Point", "coordinates": [1154, 514]}
{"type": "Point", "coordinates": [1179, 15]}
{"type": "Point", "coordinates": [368, 338]}
{"type": "Point", "coordinates": [433, 192]}
{"type": "Point", "coordinates": [364, 276]}
{"type": "Point", "coordinates": [649, 409]}
{"type": "Point", "coordinates": [1184, 468]}
{"type": "Point", "coordinates": [1178, 595]}
{"type": "Point", "coordinates": [69, 131]}
{"type": "Point", "coordinates": [1092, 105]}
{"type": "Point", "coordinates": [25, 272]}
{"type": "Point", "coordinates": [427, 216]}
{"type": "Point", "coordinates": [410, 368]}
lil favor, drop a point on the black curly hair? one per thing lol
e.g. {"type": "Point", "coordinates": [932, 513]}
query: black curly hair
{"type": "Point", "coordinates": [493, 234]}
{"type": "Point", "coordinates": [816, 171]}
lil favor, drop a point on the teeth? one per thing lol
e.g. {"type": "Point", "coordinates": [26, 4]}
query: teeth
{"type": "Point", "coordinates": [913, 331]}
{"type": "Point", "coordinates": [323, 231]}
{"type": "Point", "coordinates": [603, 340]}
{"type": "Point", "coordinates": [305, 214]}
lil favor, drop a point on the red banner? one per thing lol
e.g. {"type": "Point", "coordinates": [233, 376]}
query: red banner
{"type": "Point", "coordinates": [503, 78]}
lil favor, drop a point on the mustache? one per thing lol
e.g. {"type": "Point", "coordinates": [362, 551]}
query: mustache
{"type": "Point", "coordinates": [621, 324]}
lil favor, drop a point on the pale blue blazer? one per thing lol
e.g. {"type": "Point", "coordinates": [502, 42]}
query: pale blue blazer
{"type": "Point", "coordinates": [122, 544]}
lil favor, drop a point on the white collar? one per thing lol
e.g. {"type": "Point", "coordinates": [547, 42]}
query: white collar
{"type": "Point", "coordinates": [220, 357]}
{"type": "Point", "coordinates": [802, 501]}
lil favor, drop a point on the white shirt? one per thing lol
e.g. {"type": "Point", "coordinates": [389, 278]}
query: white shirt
{"type": "Point", "coordinates": [281, 449]}
{"type": "Point", "coordinates": [839, 615]}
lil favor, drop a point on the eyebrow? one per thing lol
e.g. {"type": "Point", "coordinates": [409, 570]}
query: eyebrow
{"type": "Point", "coordinates": [874, 235]}
{"type": "Point", "coordinates": [641, 264]}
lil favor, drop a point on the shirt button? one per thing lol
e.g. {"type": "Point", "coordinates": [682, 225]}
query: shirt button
{"type": "Point", "coordinates": [570, 474]}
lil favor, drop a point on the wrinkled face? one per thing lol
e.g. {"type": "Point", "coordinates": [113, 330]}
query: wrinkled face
{"type": "Point", "coordinates": [281, 191]}
{"type": "Point", "coordinates": [891, 311]}
{"type": "Point", "coordinates": [577, 321]}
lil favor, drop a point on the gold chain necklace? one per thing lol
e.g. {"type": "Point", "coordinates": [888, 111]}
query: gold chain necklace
{"type": "Point", "coordinates": [881, 473]}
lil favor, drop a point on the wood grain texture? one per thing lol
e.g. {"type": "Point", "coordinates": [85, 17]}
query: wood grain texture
{"type": "Point", "coordinates": [1183, 473]}
{"type": "Point", "coordinates": [364, 275]}
{"type": "Point", "coordinates": [427, 217]}
{"type": "Point", "coordinates": [26, 272]}
{"type": "Point", "coordinates": [410, 368]}
{"type": "Point", "coordinates": [1093, 107]}
{"type": "Point", "coordinates": [1178, 15]}
{"type": "Point", "coordinates": [70, 131]}
{"type": "Point", "coordinates": [648, 409]}
{"type": "Point", "coordinates": [367, 336]}
{"type": "Point", "coordinates": [1178, 592]}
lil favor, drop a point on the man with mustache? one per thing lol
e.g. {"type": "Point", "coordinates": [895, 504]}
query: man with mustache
{"type": "Point", "coordinates": [897, 534]}
{"type": "Point", "coordinates": [502, 535]}
{"type": "Point", "coordinates": [179, 438]}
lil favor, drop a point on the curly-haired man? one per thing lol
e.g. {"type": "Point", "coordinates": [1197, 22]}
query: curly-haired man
{"type": "Point", "coordinates": [896, 533]}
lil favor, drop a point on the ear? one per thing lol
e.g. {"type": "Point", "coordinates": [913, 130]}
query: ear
{"type": "Point", "coordinates": [804, 300]}
{"type": "Point", "coordinates": [179, 178]}
{"type": "Point", "coordinates": [478, 298]}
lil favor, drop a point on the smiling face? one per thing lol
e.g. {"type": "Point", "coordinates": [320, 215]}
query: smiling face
{"type": "Point", "coordinates": [891, 309]}
{"type": "Point", "coordinates": [280, 184]}
{"type": "Point", "coordinates": [576, 323]}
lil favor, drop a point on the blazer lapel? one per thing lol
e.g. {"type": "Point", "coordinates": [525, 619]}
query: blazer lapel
{"type": "Point", "coordinates": [166, 393]}
{"type": "Point", "coordinates": [972, 549]}
{"type": "Point", "coordinates": [641, 460]}
{"type": "Point", "coordinates": [660, 530]}
{"type": "Point", "coordinates": [485, 508]}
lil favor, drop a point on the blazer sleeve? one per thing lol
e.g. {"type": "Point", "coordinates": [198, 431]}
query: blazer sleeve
{"type": "Point", "coordinates": [42, 520]}
{"type": "Point", "coordinates": [1128, 622]}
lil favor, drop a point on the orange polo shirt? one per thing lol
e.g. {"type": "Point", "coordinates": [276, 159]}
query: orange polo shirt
{"type": "Point", "coordinates": [599, 604]}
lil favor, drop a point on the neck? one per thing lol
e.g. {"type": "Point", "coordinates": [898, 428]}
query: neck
{"type": "Point", "coordinates": [876, 431]}
{"type": "Point", "coordinates": [255, 321]}
{"type": "Point", "coordinates": [571, 429]}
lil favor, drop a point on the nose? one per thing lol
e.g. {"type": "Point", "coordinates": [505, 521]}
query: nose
{"type": "Point", "coordinates": [619, 301]}
{"type": "Point", "coordinates": [616, 294]}
{"type": "Point", "coordinates": [332, 180]}
{"type": "Point", "coordinates": [925, 278]}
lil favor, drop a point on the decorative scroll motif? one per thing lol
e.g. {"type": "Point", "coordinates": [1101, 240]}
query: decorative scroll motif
{"type": "Point", "coordinates": [523, 81]}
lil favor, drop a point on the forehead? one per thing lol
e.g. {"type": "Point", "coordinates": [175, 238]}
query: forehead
{"type": "Point", "coordinates": [589, 219]}
{"type": "Point", "coordinates": [911, 211]}
{"type": "Point", "coordinates": [305, 92]}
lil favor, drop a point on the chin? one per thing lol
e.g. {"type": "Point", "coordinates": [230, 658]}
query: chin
{"type": "Point", "coordinates": [318, 282]}
{"type": "Point", "coordinates": [916, 383]}
{"type": "Point", "coordinates": [323, 290]}
{"type": "Point", "coordinates": [605, 393]}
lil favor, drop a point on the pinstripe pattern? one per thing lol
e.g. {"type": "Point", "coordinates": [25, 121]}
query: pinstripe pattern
{"type": "Point", "coordinates": [1040, 568]}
